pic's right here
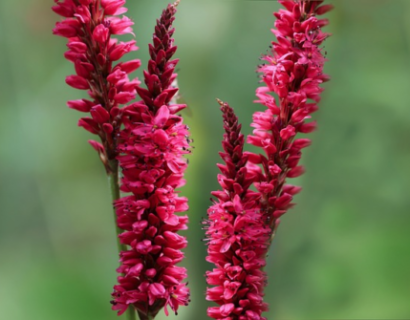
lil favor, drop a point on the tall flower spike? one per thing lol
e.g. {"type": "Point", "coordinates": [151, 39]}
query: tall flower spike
{"type": "Point", "coordinates": [293, 72]}
{"type": "Point", "coordinates": [151, 157]}
{"type": "Point", "coordinates": [241, 223]}
{"type": "Point", "coordinates": [89, 26]}
{"type": "Point", "coordinates": [236, 233]}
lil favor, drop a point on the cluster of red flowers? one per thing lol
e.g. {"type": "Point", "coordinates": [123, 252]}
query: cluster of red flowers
{"type": "Point", "coordinates": [154, 140]}
{"type": "Point", "coordinates": [241, 223]}
{"type": "Point", "coordinates": [149, 141]}
{"type": "Point", "coordinates": [89, 25]}
{"type": "Point", "coordinates": [237, 236]}
{"type": "Point", "coordinates": [293, 72]}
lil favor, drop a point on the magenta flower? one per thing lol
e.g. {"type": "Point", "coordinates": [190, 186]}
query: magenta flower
{"type": "Point", "coordinates": [154, 140]}
{"type": "Point", "coordinates": [89, 25]}
{"type": "Point", "coordinates": [236, 233]}
{"type": "Point", "coordinates": [242, 222]}
{"type": "Point", "coordinates": [293, 72]}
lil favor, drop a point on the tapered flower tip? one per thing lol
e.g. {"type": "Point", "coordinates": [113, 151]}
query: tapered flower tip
{"type": "Point", "coordinates": [224, 106]}
{"type": "Point", "coordinates": [221, 103]}
{"type": "Point", "coordinates": [176, 3]}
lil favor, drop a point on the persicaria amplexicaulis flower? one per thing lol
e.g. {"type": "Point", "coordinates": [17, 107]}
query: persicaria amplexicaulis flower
{"type": "Point", "coordinates": [243, 221]}
{"type": "Point", "coordinates": [89, 26]}
{"type": "Point", "coordinates": [294, 72]}
{"type": "Point", "coordinates": [236, 233]}
{"type": "Point", "coordinates": [153, 143]}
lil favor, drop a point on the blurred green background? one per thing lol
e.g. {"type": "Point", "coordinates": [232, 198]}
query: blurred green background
{"type": "Point", "coordinates": [341, 253]}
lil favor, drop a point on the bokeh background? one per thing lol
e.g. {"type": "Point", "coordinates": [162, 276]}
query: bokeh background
{"type": "Point", "coordinates": [341, 253]}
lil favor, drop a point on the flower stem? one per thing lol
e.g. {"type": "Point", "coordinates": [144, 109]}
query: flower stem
{"type": "Point", "coordinates": [115, 194]}
{"type": "Point", "coordinates": [131, 313]}
{"type": "Point", "coordinates": [144, 316]}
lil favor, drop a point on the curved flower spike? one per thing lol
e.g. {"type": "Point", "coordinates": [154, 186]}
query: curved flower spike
{"type": "Point", "coordinates": [242, 223]}
{"type": "Point", "coordinates": [294, 72]}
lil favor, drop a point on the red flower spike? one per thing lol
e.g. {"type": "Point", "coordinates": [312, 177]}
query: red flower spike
{"type": "Point", "coordinates": [160, 73]}
{"type": "Point", "coordinates": [88, 25]}
{"type": "Point", "coordinates": [153, 143]}
{"type": "Point", "coordinates": [236, 234]}
{"type": "Point", "coordinates": [293, 71]}
{"type": "Point", "coordinates": [241, 223]}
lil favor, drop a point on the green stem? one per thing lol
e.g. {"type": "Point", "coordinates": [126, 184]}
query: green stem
{"type": "Point", "coordinates": [115, 194]}
{"type": "Point", "coordinates": [144, 316]}
{"type": "Point", "coordinates": [131, 313]}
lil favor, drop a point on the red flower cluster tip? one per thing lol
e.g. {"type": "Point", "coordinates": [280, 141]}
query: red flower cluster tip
{"type": "Point", "coordinates": [236, 233]}
{"type": "Point", "coordinates": [293, 72]}
{"type": "Point", "coordinates": [154, 140]}
{"type": "Point", "coordinates": [241, 224]}
{"type": "Point", "coordinates": [89, 25]}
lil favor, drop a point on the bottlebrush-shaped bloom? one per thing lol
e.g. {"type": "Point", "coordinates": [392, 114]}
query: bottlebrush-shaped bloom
{"type": "Point", "coordinates": [241, 224]}
{"type": "Point", "coordinates": [89, 26]}
{"type": "Point", "coordinates": [294, 72]}
{"type": "Point", "coordinates": [151, 157]}
{"type": "Point", "coordinates": [236, 233]}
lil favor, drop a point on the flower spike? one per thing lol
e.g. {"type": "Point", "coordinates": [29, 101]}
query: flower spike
{"type": "Point", "coordinates": [236, 234]}
{"type": "Point", "coordinates": [154, 141]}
{"type": "Point", "coordinates": [89, 26]}
{"type": "Point", "coordinates": [294, 73]}
{"type": "Point", "coordinates": [242, 223]}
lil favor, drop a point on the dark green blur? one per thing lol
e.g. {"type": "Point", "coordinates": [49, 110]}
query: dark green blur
{"type": "Point", "coordinates": [341, 253]}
